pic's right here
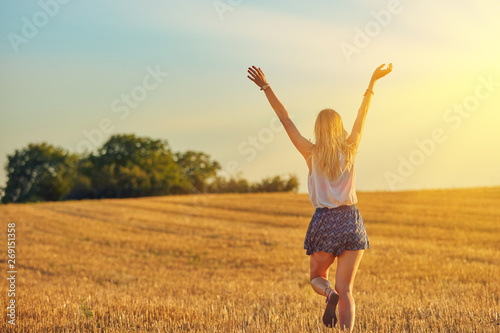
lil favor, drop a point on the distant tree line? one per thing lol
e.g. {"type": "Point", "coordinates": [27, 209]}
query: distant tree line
{"type": "Point", "coordinates": [125, 166]}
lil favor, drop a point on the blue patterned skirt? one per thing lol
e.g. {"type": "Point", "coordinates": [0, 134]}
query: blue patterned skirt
{"type": "Point", "coordinates": [334, 230]}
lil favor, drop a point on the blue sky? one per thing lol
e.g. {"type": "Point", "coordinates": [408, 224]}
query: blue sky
{"type": "Point", "coordinates": [69, 78]}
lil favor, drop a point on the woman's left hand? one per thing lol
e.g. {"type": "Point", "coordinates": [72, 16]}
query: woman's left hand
{"type": "Point", "coordinates": [257, 76]}
{"type": "Point", "coordinates": [380, 73]}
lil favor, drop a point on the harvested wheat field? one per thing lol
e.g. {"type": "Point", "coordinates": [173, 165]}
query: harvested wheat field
{"type": "Point", "coordinates": [236, 263]}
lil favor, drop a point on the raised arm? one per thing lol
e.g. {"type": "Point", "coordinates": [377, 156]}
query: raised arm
{"type": "Point", "coordinates": [303, 145]}
{"type": "Point", "coordinates": [359, 123]}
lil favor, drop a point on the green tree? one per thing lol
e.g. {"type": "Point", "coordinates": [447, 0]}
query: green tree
{"type": "Point", "coordinates": [39, 172]}
{"type": "Point", "coordinates": [125, 166]}
{"type": "Point", "coordinates": [82, 184]}
{"type": "Point", "coordinates": [130, 166]}
{"type": "Point", "coordinates": [276, 184]}
{"type": "Point", "coordinates": [292, 184]}
{"type": "Point", "coordinates": [233, 185]}
{"type": "Point", "coordinates": [198, 168]}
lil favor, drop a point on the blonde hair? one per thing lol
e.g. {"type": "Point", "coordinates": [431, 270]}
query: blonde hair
{"type": "Point", "coordinates": [331, 138]}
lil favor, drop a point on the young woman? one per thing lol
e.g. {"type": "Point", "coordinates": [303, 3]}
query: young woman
{"type": "Point", "coordinates": [336, 229]}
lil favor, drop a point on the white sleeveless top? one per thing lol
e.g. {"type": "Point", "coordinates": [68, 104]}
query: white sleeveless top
{"type": "Point", "coordinates": [332, 193]}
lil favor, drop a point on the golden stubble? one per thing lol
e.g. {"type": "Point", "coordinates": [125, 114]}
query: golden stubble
{"type": "Point", "coordinates": [236, 263]}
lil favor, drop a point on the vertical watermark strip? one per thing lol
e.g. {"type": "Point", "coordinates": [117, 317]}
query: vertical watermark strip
{"type": "Point", "coordinates": [12, 273]}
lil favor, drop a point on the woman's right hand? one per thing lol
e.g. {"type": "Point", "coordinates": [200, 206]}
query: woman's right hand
{"type": "Point", "coordinates": [257, 76]}
{"type": "Point", "coordinates": [380, 72]}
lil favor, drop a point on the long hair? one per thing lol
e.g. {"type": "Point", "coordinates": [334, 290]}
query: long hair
{"type": "Point", "coordinates": [331, 138]}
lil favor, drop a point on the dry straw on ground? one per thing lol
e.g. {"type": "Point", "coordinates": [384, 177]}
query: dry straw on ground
{"type": "Point", "coordinates": [235, 263]}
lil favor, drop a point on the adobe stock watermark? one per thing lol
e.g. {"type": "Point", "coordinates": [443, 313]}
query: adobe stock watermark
{"type": "Point", "coordinates": [363, 37]}
{"type": "Point", "coordinates": [31, 27]}
{"type": "Point", "coordinates": [248, 148]}
{"type": "Point", "coordinates": [223, 6]}
{"type": "Point", "coordinates": [426, 147]}
{"type": "Point", "coordinates": [122, 106]}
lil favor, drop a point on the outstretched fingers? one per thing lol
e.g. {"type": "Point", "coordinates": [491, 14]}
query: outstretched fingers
{"type": "Point", "coordinates": [252, 73]}
{"type": "Point", "coordinates": [256, 70]}
{"type": "Point", "coordinates": [257, 76]}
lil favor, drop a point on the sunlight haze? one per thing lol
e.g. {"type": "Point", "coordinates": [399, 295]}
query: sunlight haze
{"type": "Point", "coordinates": [433, 122]}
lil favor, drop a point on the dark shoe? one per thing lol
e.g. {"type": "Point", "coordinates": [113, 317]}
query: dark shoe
{"type": "Point", "coordinates": [330, 317]}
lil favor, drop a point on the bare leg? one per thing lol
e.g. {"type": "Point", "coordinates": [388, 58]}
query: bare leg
{"type": "Point", "coordinates": [347, 265]}
{"type": "Point", "coordinates": [319, 265]}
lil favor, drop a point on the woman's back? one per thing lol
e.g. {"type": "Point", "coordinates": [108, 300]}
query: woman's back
{"type": "Point", "coordinates": [324, 192]}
